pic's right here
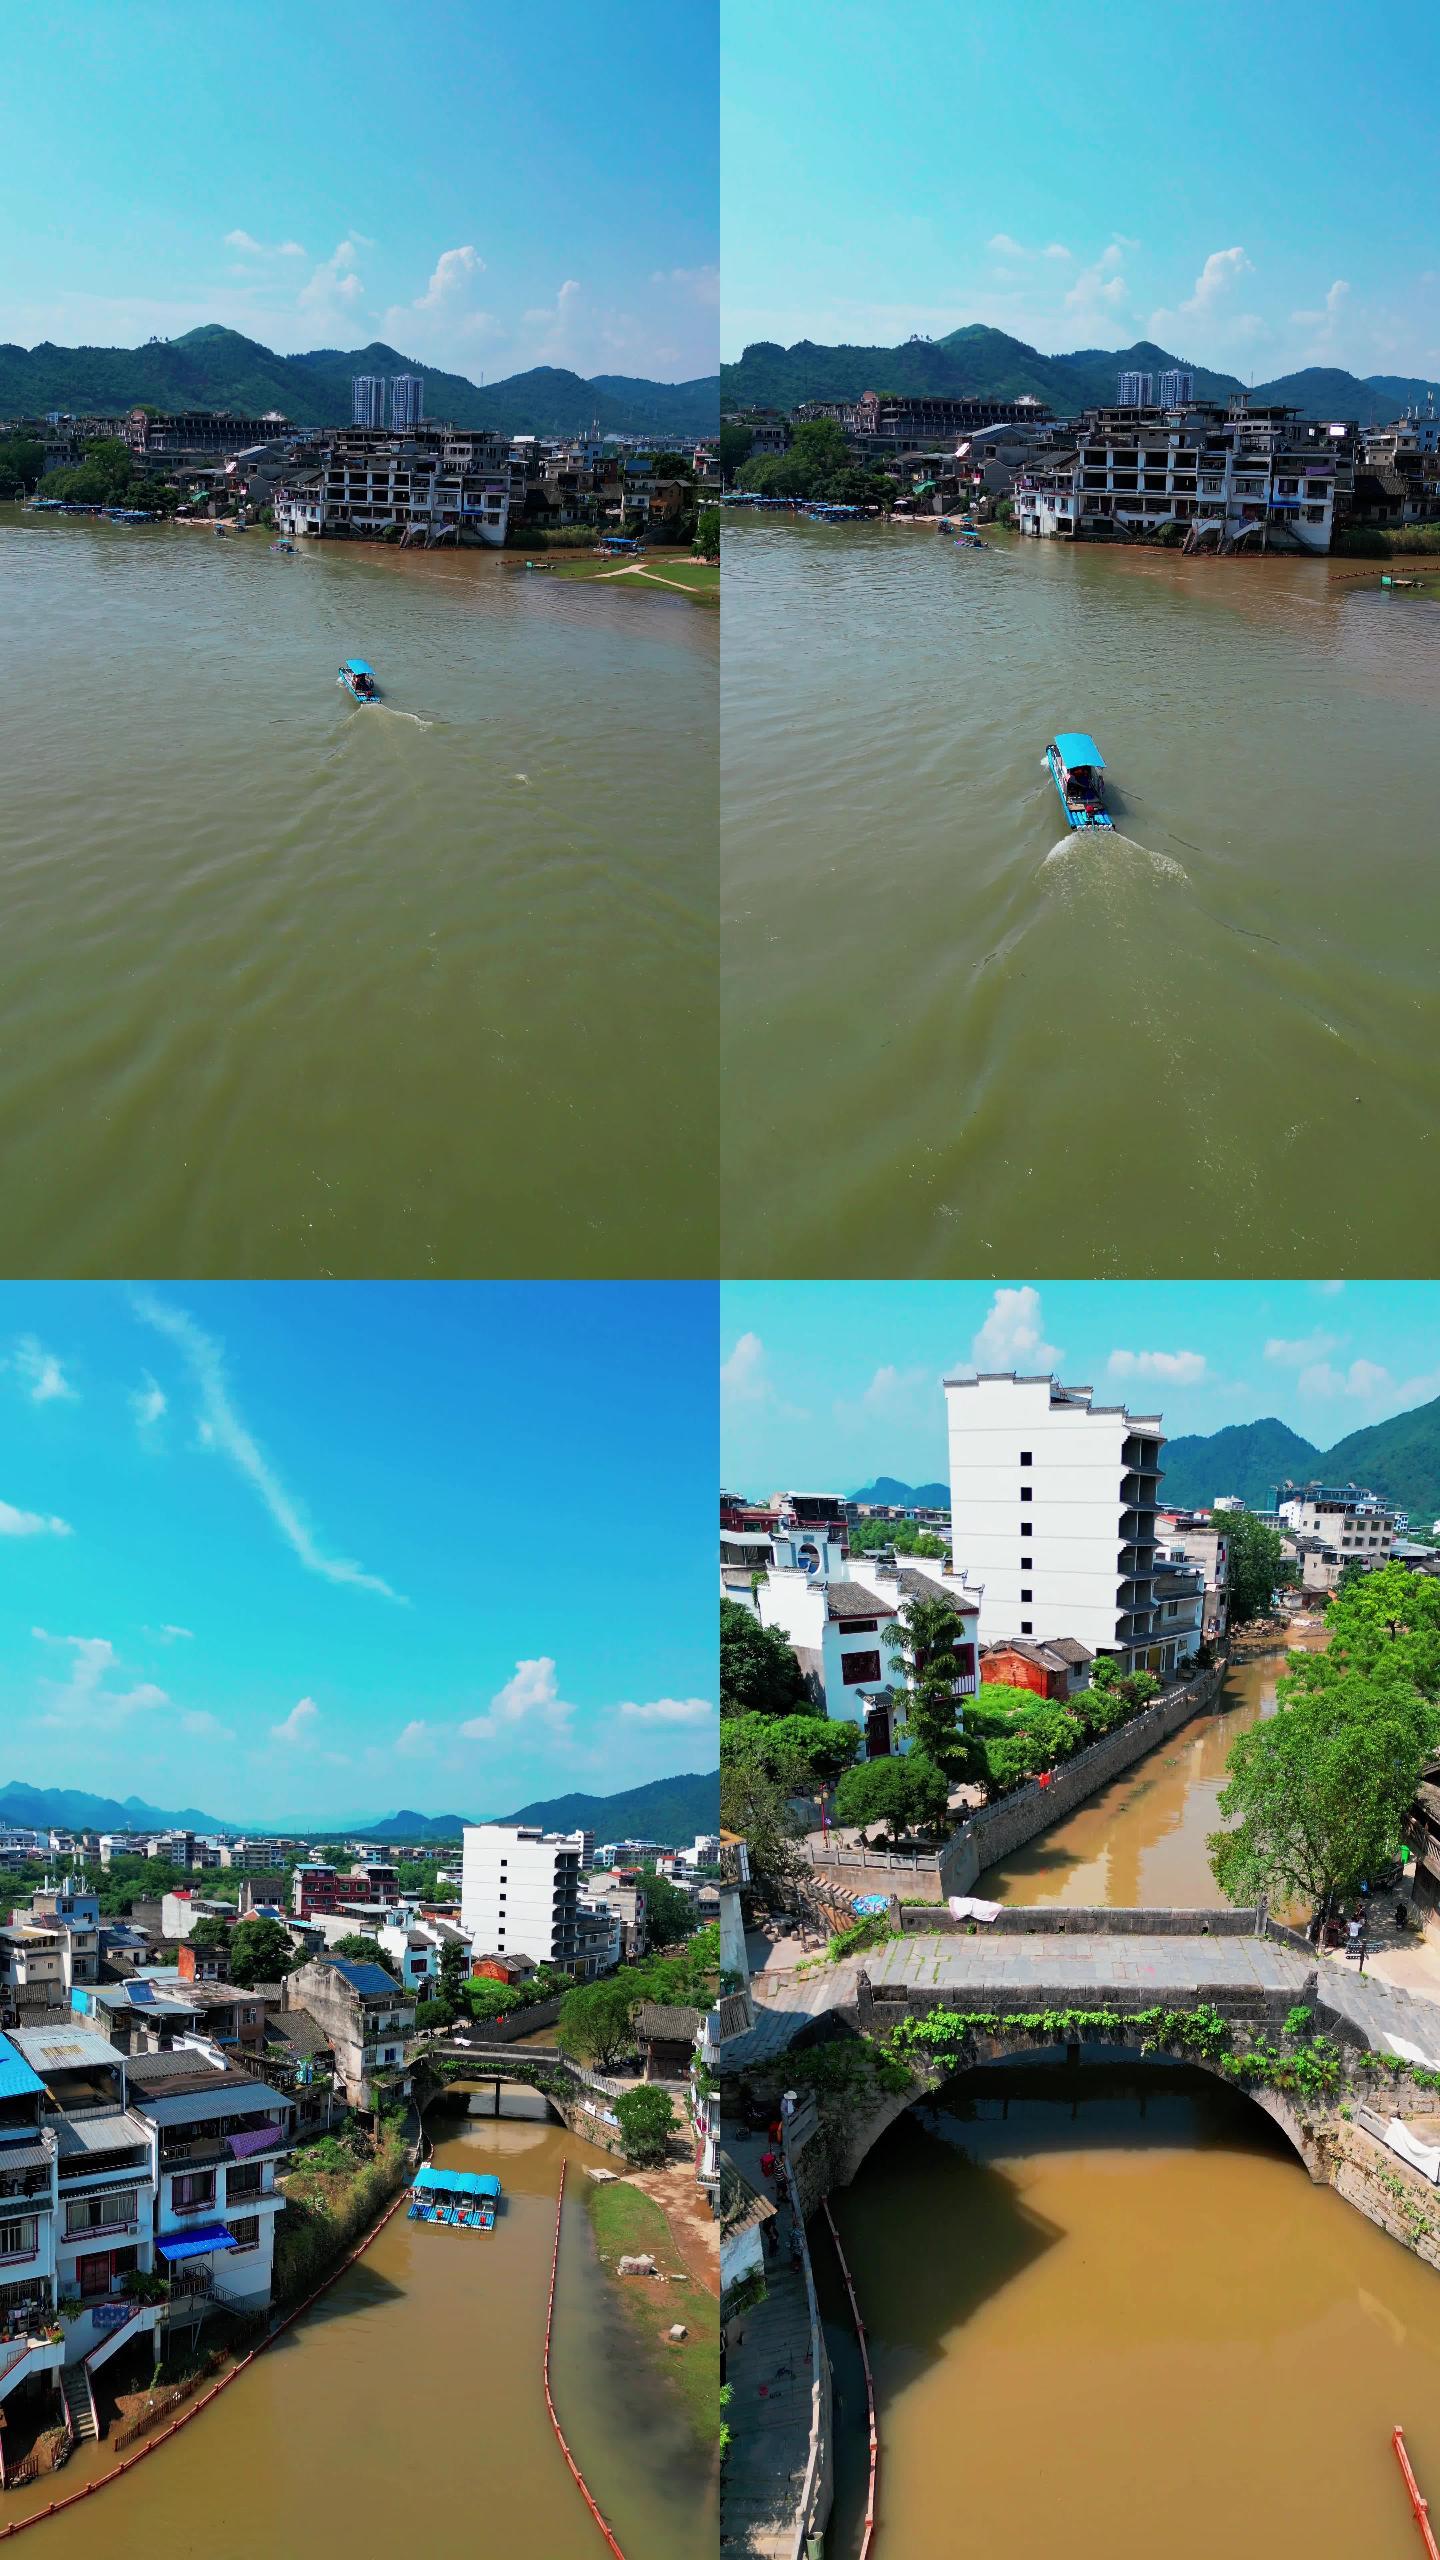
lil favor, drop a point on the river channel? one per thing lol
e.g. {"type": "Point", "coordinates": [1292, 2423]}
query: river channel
{"type": "Point", "coordinates": [957, 1039]}
{"type": "Point", "coordinates": [406, 2413]}
{"type": "Point", "coordinates": [291, 988]}
{"type": "Point", "coordinates": [1108, 2313]}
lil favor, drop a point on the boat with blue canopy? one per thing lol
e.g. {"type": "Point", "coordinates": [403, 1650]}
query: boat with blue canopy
{"type": "Point", "coordinates": [465, 2199]}
{"type": "Point", "coordinates": [1077, 769]}
{"type": "Point", "coordinates": [358, 678]}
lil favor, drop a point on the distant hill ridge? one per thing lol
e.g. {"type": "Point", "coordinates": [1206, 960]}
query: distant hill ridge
{"type": "Point", "coordinates": [670, 1810]}
{"type": "Point", "coordinates": [890, 1491]}
{"type": "Point", "coordinates": [1399, 1459]}
{"type": "Point", "coordinates": [215, 368]}
{"type": "Point", "coordinates": [985, 364]}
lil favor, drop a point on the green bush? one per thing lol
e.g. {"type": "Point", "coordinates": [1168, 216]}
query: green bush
{"type": "Point", "coordinates": [647, 2122]}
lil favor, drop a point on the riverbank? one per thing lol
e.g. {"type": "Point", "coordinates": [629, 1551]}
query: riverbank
{"type": "Point", "coordinates": [697, 579]}
{"type": "Point", "coordinates": [629, 2218]}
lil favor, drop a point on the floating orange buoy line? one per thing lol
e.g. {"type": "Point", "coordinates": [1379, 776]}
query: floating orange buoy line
{"type": "Point", "coordinates": [869, 2533]}
{"type": "Point", "coordinates": [1420, 2505]}
{"type": "Point", "coordinates": [576, 2474]}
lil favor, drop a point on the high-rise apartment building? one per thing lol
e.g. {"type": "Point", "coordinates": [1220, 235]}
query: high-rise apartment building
{"type": "Point", "coordinates": [407, 400]}
{"type": "Point", "coordinates": [1053, 1503]}
{"type": "Point", "coordinates": [367, 400]}
{"type": "Point", "coordinates": [519, 1891]}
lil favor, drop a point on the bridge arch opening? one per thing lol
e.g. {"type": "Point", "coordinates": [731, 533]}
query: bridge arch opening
{"type": "Point", "coordinates": [493, 2094]}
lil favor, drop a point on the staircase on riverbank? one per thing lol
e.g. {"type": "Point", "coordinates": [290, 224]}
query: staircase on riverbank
{"type": "Point", "coordinates": [75, 2386]}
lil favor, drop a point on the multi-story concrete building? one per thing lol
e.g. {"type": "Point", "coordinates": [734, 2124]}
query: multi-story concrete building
{"type": "Point", "coordinates": [367, 399]}
{"type": "Point", "coordinates": [837, 1610]}
{"type": "Point", "coordinates": [315, 1886]}
{"type": "Point", "coordinates": [1221, 476]}
{"type": "Point", "coordinates": [425, 485]}
{"type": "Point", "coordinates": [1053, 1505]}
{"type": "Point", "coordinates": [884, 424]}
{"type": "Point", "coordinates": [1135, 390]}
{"type": "Point", "coordinates": [407, 400]}
{"type": "Point", "coordinates": [51, 1947]}
{"type": "Point", "coordinates": [1357, 1525]}
{"type": "Point", "coordinates": [519, 1891]}
{"type": "Point", "coordinates": [255, 1857]}
{"type": "Point", "coordinates": [1199, 1543]}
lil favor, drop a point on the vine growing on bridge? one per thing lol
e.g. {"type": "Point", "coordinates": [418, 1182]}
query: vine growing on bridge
{"type": "Point", "coordinates": [1313, 2067]}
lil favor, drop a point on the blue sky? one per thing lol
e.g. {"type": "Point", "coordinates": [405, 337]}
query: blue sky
{"type": "Point", "coordinates": [826, 1386]}
{"type": "Point", "coordinates": [486, 190]}
{"type": "Point", "coordinates": [320, 1551]}
{"type": "Point", "coordinates": [1250, 188]}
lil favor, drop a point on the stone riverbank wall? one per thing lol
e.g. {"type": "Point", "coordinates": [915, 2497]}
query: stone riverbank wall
{"type": "Point", "coordinates": [996, 1831]}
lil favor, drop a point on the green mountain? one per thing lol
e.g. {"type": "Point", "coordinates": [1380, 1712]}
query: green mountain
{"type": "Point", "coordinates": [670, 1810]}
{"type": "Point", "coordinates": [74, 1809]}
{"type": "Point", "coordinates": [1399, 1458]}
{"type": "Point", "coordinates": [982, 363]}
{"type": "Point", "coordinates": [1246, 1458]}
{"type": "Point", "coordinates": [214, 368]}
{"type": "Point", "coordinates": [890, 1490]}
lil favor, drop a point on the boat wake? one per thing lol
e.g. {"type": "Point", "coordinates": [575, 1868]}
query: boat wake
{"type": "Point", "coordinates": [1083, 838]}
{"type": "Point", "coordinates": [390, 709]}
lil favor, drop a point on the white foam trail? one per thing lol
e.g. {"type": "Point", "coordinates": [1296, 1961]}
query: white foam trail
{"type": "Point", "coordinates": [1093, 838]}
{"type": "Point", "coordinates": [402, 715]}
{"type": "Point", "coordinates": [522, 777]}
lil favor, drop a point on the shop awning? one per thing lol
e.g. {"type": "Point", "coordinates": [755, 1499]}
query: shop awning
{"type": "Point", "coordinates": [197, 2243]}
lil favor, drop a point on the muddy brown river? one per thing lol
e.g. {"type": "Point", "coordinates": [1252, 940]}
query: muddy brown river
{"type": "Point", "coordinates": [1109, 2315]}
{"type": "Point", "coordinates": [405, 2414]}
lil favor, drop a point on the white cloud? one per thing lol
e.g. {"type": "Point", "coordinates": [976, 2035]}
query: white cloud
{"type": "Point", "coordinates": [415, 1741]}
{"type": "Point", "coordinates": [1012, 1337]}
{"type": "Point", "coordinates": [86, 1694]}
{"type": "Point", "coordinates": [671, 1711]}
{"type": "Point", "coordinates": [453, 268]}
{"type": "Point", "coordinates": [1209, 313]}
{"type": "Point", "coordinates": [1099, 291]}
{"type": "Point", "coordinates": [148, 1403]}
{"type": "Point", "coordinates": [891, 1388]}
{"type": "Point", "coordinates": [1057, 249]}
{"type": "Point", "coordinates": [222, 1429]}
{"type": "Point", "coordinates": [1330, 1288]}
{"type": "Point", "coordinates": [252, 248]}
{"type": "Point", "coordinates": [744, 1377]}
{"type": "Point", "coordinates": [1369, 1382]}
{"type": "Point", "coordinates": [1303, 1352]}
{"type": "Point", "coordinates": [40, 1373]}
{"type": "Point", "coordinates": [702, 284]}
{"type": "Point", "coordinates": [31, 1524]}
{"type": "Point", "coordinates": [1176, 1368]}
{"type": "Point", "coordinates": [205, 1727]}
{"type": "Point", "coordinates": [299, 1726]}
{"type": "Point", "coordinates": [530, 1696]}
{"type": "Point", "coordinates": [1005, 247]}
{"type": "Point", "coordinates": [1323, 324]}
{"type": "Point", "coordinates": [548, 334]}
{"type": "Point", "coordinates": [334, 288]}
{"type": "Point", "coordinates": [169, 1635]}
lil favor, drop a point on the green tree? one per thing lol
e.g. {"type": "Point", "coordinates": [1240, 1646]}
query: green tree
{"type": "Point", "coordinates": [647, 2124]}
{"type": "Point", "coordinates": [432, 2013]}
{"type": "Point", "coordinates": [22, 463]}
{"type": "Point", "coordinates": [906, 1792]}
{"type": "Point", "coordinates": [669, 1914]}
{"type": "Point", "coordinates": [759, 1674]}
{"type": "Point", "coordinates": [924, 1639]}
{"type": "Point", "coordinates": [1254, 1564]}
{"type": "Point", "coordinates": [707, 532]}
{"type": "Point", "coordinates": [902, 1535]}
{"type": "Point", "coordinates": [594, 2022]}
{"type": "Point", "coordinates": [1390, 1616]}
{"type": "Point", "coordinates": [260, 1951]}
{"type": "Point", "coordinates": [1318, 1792]}
{"type": "Point", "coordinates": [210, 1937]}
{"type": "Point", "coordinates": [454, 1974]}
{"type": "Point", "coordinates": [799, 1751]}
{"type": "Point", "coordinates": [735, 446]}
{"type": "Point", "coordinates": [363, 1950]}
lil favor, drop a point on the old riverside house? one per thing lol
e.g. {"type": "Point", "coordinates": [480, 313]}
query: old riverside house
{"type": "Point", "coordinates": [1227, 476]}
{"type": "Point", "coordinates": [366, 2018]}
{"type": "Point", "coordinates": [116, 2170]}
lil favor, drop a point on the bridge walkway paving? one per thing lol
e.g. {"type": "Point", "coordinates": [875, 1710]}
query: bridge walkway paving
{"type": "Point", "coordinates": [1088, 1968]}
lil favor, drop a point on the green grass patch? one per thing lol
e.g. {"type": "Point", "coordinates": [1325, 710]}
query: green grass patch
{"type": "Point", "coordinates": [629, 2224]}
{"type": "Point", "coordinates": [699, 579]}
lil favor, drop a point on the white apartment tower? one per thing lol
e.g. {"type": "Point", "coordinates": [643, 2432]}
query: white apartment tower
{"type": "Point", "coordinates": [519, 1892]}
{"type": "Point", "coordinates": [1136, 390]}
{"type": "Point", "coordinates": [1053, 1502]}
{"type": "Point", "coordinates": [407, 400]}
{"type": "Point", "coordinates": [367, 400]}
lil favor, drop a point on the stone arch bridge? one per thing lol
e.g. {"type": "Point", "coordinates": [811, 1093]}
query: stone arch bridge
{"type": "Point", "coordinates": [582, 2100]}
{"type": "Point", "coordinates": [1121, 1963]}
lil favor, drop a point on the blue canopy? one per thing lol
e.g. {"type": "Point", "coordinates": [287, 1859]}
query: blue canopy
{"type": "Point", "coordinates": [1074, 748]}
{"type": "Point", "coordinates": [197, 2243]}
{"type": "Point", "coordinates": [359, 667]}
{"type": "Point", "coordinates": [457, 2182]}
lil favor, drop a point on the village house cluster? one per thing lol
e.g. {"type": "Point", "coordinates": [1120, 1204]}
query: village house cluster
{"type": "Point", "coordinates": [1159, 463]}
{"type": "Point", "coordinates": [393, 475]}
{"type": "Point", "coordinates": [149, 2106]}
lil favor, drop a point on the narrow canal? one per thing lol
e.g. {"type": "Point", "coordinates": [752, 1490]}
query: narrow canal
{"type": "Point", "coordinates": [1107, 2311]}
{"type": "Point", "coordinates": [406, 2413]}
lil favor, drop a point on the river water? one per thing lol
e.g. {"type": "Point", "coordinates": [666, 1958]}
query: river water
{"type": "Point", "coordinates": [406, 2413]}
{"type": "Point", "coordinates": [293, 988]}
{"type": "Point", "coordinates": [1108, 2313]}
{"type": "Point", "coordinates": [945, 1053]}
